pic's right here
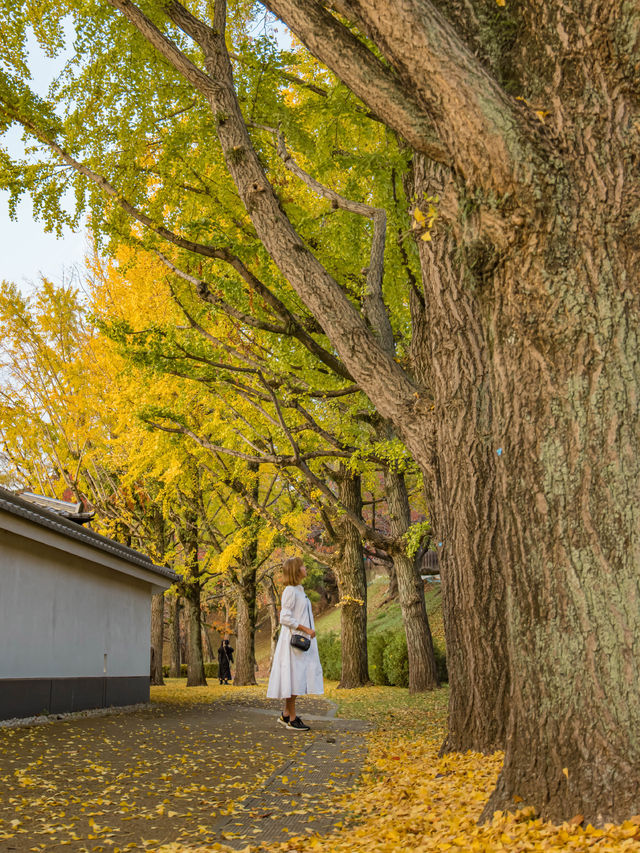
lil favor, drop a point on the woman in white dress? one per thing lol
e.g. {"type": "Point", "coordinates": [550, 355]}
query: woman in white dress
{"type": "Point", "coordinates": [295, 672]}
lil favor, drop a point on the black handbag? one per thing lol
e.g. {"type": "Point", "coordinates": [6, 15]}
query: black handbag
{"type": "Point", "coordinates": [301, 641]}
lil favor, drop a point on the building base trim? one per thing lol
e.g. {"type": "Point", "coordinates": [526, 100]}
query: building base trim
{"type": "Point", "coordinates": [28, 697]}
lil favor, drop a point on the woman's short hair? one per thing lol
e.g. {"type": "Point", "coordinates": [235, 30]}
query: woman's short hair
{"type": "Point", "coordinates": [291, 571]}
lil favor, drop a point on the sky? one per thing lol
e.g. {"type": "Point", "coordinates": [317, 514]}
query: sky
{"type": "Point", "coordinates": [27, 252]}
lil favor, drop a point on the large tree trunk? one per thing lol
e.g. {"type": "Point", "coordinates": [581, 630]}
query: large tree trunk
{"type": "Point", "coordinates": [462, 496]}
{"type": "Point", "coordinates": [274, 624]}
{"type": "Point", "coordinates": [245, 659]}
{"type": "Point", "coordinates": [174, 634]}
{"type": "Point", "coordinates": [246, 593]}
{"type": "Point", "coordinates": [422, 662]}
{"type": "Point", "coordinates": [568, 391]}
{"type": "Point", "coordinates": [157, 637]}
{"type": "Point", "coordinates": [352, 585]}
{"type": "Point", "coordinates": [195, 661]}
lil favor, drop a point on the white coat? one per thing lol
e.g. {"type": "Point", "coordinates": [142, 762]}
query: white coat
{"type": "Point", "coordinates": [294, 672]}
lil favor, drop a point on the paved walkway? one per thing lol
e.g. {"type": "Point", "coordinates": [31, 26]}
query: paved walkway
{"type": "Point", "coordinates": [194, 774]}
{"type": "Point", "coordinates": [300, 796]}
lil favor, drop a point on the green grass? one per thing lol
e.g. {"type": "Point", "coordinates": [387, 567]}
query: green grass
{"type": "Point", "coordinates": [389, 708]}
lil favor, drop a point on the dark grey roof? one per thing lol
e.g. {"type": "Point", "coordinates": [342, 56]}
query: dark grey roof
{"type": "Point", "coordinates": [46, 518]}
{"type": "Point", "coordinates": [72, 511]}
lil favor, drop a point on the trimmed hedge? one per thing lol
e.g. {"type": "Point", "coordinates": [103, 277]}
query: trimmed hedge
{"type": "Point", "coordinates": [388, 658]}
{"type": "Point", "coordinates": [210, 670]}
{"type": "Point", "coordinates": [395, 660]}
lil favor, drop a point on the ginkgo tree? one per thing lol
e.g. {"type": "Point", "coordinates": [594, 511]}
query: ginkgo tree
{"type": "Point", "coordinates": [422, 670]}
{"type": "Point", "coordinates": [253, 384]}
{"type": "Point", "coordinates": [223, 536]}
{"type": "Point", "coordinates": [61, 432]}
{"type": "Point", "coordinates": [520, 400]}
{"type": "Point", "coordinates": [323, 451]}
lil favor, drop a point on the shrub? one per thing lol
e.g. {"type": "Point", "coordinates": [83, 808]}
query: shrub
{"type": "Point", "coordinates": [441, 662]}
{"type": "Point", "coordinates": [388, 657]}
{"type": "Point", "coordinates": [376, 644]}
{"type": "Point", "coordinates": [210, 670]}
{"type": "Point", "coordinates": [395, 660]}
{"type": "Point", "coordinates": [330, 650]}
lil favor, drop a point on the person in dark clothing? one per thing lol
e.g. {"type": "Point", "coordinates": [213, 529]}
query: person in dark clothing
{"type": "Point", "coordinates": [225, 659]}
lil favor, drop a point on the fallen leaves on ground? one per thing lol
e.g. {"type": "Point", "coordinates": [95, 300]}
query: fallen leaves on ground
{"type": "Point", "coordinates": [409, 798]}
{"type": "Point", "coordinates": [156, 781]}
{"type": "Point", "coordinates": [135, 780]}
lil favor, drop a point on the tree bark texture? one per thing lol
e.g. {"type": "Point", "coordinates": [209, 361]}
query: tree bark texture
{"type": "Point", "coordinates": [565, 378]}
{"type": "Point", "coordinates": [451, 357]}
{"type": "Point", "coordinates": [422, 662]}
{"type": "Point", "coordinates": [174, 636]}
{"type": "Point", "coordinates": [352, 586]}
{"type": "Point", "coordinates": [195, 660]}
{"type": "Point", "coordinates": [392, 589]}
{"type": "Point", "coordinates": [245, 659]}
{"type": "Point", "coordinates": [157, 636]}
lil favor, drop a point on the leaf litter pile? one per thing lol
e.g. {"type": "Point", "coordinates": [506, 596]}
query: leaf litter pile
{"type": "Point", "coordinates": [156, 780]}
{"type": "Point", "coordinates": [409, 798]}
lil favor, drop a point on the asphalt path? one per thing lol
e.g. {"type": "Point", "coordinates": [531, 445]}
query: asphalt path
{"type": "Point", "coordinates": [193, 775]}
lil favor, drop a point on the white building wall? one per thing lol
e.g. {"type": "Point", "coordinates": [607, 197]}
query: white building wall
{"type": "Point", "coordinates": [60, 614]}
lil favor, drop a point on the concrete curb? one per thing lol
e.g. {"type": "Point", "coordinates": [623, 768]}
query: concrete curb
{"type": "Point", "coordinates": [45, 719]}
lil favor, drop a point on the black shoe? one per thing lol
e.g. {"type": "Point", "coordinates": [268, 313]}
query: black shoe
{"type": "Point", "coordinates": [283, 719]}
{"type": "Point", "coordinates": [298, 725]}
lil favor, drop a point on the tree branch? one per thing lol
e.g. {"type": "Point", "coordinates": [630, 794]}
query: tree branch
{"type": "Point", "coordinates": [392, 391]}
{"type": "Point", "coordinates": [292, 325]}
{"type": "Point", "coordinates": [238, 486]}
{"type": "Point", "coordinates": [484, 132]}
{"type": "Point", "coordinates": [338, 48]}
{"type": "Point", "coordinates": [374, 306]}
